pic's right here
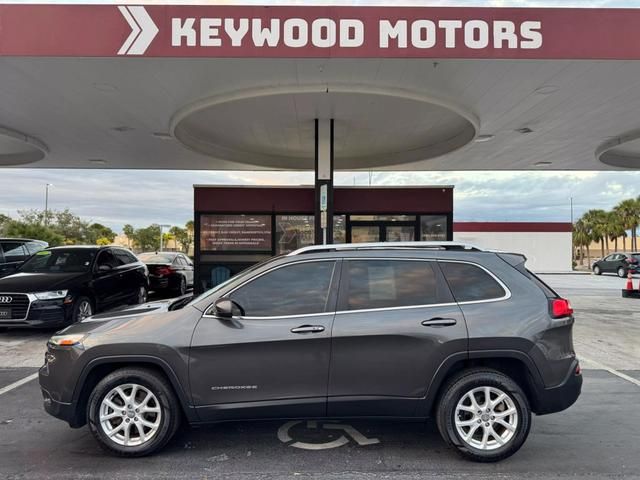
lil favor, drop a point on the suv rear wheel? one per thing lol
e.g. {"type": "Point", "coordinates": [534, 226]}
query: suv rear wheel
{"type": "Point", "coordinates": [133, 412]}
{"type": "Point", "coordinates": [621, 272]}
{"type": "Point", "coordinates": [484, 414]}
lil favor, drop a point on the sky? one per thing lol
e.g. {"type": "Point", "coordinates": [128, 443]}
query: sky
{"type": "Point", "coordinates": [118, 197]}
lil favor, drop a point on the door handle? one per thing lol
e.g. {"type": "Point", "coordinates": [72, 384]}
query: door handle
{"type": "Point", "coordinates": [308, 329]}
{"type": "Point", "coordinates": [440, 322]}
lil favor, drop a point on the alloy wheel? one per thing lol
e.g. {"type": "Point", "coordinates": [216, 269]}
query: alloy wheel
{"type": "Point", "coordinates": [142, 295]}
{"type": "Point", "coordinates": [84, 310]}
{"type": "Point", "coordinates": [130, 415]}
{"type": "Point", "coordinates": [486, 418]}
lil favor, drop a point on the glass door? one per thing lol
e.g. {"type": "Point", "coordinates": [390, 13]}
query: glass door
{"type": "Point", "coordinates": [365, 233]}
{"type": "Point", "coordinates": [395, 233]}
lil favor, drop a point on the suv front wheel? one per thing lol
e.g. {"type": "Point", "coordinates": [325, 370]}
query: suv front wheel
{"type": "Point", "coordinates": [133, 412]}
{"type": "Point", "coordinates": [484, 414]}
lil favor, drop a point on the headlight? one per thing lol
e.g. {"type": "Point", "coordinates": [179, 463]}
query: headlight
{"type": "Point", "coordinates": [53, 295]}
{"type": "Point", "coordinates": [67, 340]}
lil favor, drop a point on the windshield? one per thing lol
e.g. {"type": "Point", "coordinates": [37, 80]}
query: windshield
{"type": "Point", "coordinates": [239, 276]}
{"type": "Point", "coordinates": [156, 257]}
{"type": "Point", "coordinates": [59, 261]}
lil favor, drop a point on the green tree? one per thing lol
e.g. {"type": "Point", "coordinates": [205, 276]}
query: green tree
{"type": "Point", "coordinates": [96, 232]}
{"type": "Point", "coordinates": [582, 239]}
{"type": "Point", "coordinates": [596, 222]}
{"type": "Point", "coordinates": [4, 222]}
{"type": "Point", "coordinates": [147, 238]}
{"type": "Point", "coordinates": [183, 237]}
{"type": "Point", "coordinates": [36, 231]}
{"type": "Point", "coordinates": [616, 229]}
{"type": "Point", "coordinates": [104, 241]}
{"type": "Point", "coordinates": [629, 213]}
{"type": "Point", "coordinates": [129, 232]}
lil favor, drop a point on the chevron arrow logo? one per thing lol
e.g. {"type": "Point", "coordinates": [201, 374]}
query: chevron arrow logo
{"type": "Point", "coordinates": [143, 31]}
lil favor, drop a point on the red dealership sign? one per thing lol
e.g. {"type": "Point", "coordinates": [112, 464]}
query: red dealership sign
{"type": "Point", "coordinates": [314, 31]}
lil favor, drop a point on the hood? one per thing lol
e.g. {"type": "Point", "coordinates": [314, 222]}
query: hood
{"type": "Point", "coordinates": [39, 282]}
{"type": "Point", "coordinates": [159, 306]}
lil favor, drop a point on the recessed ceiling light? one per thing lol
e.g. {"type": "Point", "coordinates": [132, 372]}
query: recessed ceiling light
{"type": "Point", "coordinates": [542, 164]}
{"type": "Point", "coordinates": [97, 161]}
{"type": "Point", "coordinates": [546, 90]}
{"type": "Point", "coordinates": [484, 138]}
{"type": "Point", "coordinates": [105, 87]}
{"type": "Point", "coordinates": [524, 130]}
{"type": "Point", "coordinates": [162, 136]}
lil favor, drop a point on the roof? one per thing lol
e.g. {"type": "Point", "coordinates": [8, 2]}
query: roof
{"type": "Point", "coordinates": [395, 109]}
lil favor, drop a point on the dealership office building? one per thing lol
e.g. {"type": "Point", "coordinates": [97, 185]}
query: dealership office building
{"type": "Point", "coordinates": [153, 85]}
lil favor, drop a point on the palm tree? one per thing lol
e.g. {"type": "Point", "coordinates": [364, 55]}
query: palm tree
{"type": "Point", "coordinates": [581, 239]}
{"type": "Point", "coordinates": [616, 229]}
{"type": "Point", "coordinates": [629, 213]}
{"type": "Point", "coordinates": [596, 223]}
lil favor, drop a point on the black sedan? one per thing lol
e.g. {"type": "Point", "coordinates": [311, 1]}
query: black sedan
{"type": "Point", "coordinates": [64, 285]}
{"type": "Point", "coordinates": [620, 263]}
{"type": "Point", "coordinates": [168, 271]}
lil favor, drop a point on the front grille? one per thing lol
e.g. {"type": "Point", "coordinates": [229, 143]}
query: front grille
{"type": "Point", "coordinates": [19, 305]}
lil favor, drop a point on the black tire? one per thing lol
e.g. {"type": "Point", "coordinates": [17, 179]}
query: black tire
{"type": "Point", "coordinates": [170, 414]}
{"type": "Point", "coordinates": [79, 312]}
{"type": "Point", "coordinates": [181, 289]}
{"type": "Point", "coordinates": [457, 388]}
{"type": "Point", "coordinates": [622, 273]}
{"type": "Point", "coordinates": [597, 270]}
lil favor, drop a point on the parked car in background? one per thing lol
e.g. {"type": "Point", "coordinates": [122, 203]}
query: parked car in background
{"type": "Point", "coordinates": [14, 251]}
{"type": "Point", "coordinates": [63, 285]}
{"type": "Point", "coordinates": [619, 263]}
{"type": "Point", "coordinates": [407, 330]}
{"type": "Point", "coordinates": [168, 271]}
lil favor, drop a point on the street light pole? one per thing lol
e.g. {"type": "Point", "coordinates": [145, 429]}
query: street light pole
{"type": "Point", "coordinates": [46, 203]}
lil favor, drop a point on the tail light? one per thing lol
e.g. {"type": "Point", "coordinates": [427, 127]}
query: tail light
{"type": "Point", "coordinates": [164, 271]}
{"type": "Point", "coordinates": [560, 308]}
{"type": "Point", "coordinates": [632, 260]}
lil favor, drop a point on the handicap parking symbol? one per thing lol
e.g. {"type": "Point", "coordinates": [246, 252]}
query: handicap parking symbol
{"type": "Point", "coordinates": [348, 433]}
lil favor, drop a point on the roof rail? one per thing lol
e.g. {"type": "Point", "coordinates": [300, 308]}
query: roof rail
{"type": "Point", "coordinates": [386, 246]}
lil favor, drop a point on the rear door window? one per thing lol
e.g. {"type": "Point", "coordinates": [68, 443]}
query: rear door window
{"type": "Point", "coordinates": [470, 283]}
{"type": "Point", "coordinates": [373, 284]}
{"type": "Point", "coordinates": [14, 251]}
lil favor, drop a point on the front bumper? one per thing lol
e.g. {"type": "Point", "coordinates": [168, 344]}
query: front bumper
{"type": "Point", "coordinates": [60, 410]}
{"type": "Point", "coordinates": [557, 399]}
{"type": "Point", "coordinates": [57, 378]}
{"type": "Point", "coordinates": [44, 314]}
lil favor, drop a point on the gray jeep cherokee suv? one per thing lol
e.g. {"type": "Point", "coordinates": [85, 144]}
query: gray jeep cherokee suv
{"type": "Point", "coordinates": [392, 331]}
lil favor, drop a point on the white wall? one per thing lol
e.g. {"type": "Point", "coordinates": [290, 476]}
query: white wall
{"type": "Point", "coordinates": [546, 252]}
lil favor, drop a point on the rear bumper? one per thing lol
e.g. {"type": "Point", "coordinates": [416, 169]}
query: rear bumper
{"type": "Point", "coordinates": [557, 399]}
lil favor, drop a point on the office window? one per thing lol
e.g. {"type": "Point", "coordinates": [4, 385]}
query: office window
{"type": "Point", "coordinates": [433, 228]}
{"type": "Point", "coordinates": [293, 232]}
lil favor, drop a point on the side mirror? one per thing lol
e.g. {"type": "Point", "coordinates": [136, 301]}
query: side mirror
{"type": "Point", "coordinates": [223, 308]}
{"type": "Point", "coordinates": [104, 268]}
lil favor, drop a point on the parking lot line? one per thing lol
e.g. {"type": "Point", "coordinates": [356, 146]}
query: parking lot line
{"type": "Point", "coordinates": [612, 371]}
{"type": "Point", "coordinates": [15, 385]}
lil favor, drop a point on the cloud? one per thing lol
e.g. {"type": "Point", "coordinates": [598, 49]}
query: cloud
{"type": "Point", "coordinates": [142, 197]}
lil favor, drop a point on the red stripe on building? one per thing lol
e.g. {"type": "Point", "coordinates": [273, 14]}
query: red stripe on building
{"type": "Point", "coordinates": [533, 227]}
